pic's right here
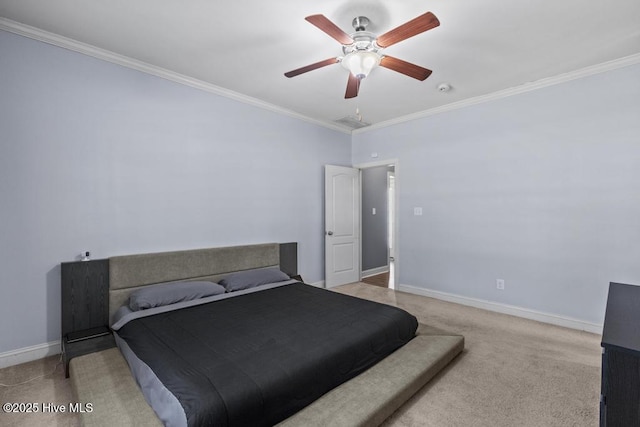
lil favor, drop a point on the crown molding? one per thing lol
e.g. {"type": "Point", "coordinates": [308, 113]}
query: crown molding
{"type": "Point", "coordinates": [527, 87]}
{"type": "Point", "coordinates": [125, 61]}
{"type": "Point", "coordinates": [106, 55]}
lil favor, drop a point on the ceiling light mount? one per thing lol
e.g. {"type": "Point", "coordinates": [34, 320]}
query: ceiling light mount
{"type": "Point", "coordinates": [360, 23]}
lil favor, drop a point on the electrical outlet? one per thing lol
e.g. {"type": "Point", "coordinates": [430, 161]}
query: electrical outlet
{"type": "Point", "coordinates": [500, 284]}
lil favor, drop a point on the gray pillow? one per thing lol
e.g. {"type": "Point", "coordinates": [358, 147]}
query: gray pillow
{"type": "Point", "coordinates": [171, 292]}
{"type": "Point", "coordinates": [251, 278]}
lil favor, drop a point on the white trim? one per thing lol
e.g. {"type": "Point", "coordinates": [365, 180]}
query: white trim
{"type": "Point", "coordinates": [319, 284]}
{"type": "Point", "coordinates": [512, 310]}
{"type": "Point", "coordinates": [377, 163]}
{"type": "Point", "coordinates": [375, 271]}
{"type": "Point", "coordinates": [527, 87]}
{"type": "Point", "coordinates": [29, 354]}
{"type": "Point", "coordinates": [96, 52]}
{"type": "Point", "coordinates": [125, 61]}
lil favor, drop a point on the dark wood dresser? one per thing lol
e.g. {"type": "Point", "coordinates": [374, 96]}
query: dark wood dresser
{"type": "Point", "coordinates": [620, 391]}
{"type": "Point", "coordinates": [85, 308]}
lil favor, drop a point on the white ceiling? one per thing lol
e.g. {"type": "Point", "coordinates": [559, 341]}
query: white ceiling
{"type": "Point", "coordinates": [245, 47]}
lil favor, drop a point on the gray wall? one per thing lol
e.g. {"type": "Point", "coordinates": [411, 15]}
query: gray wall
{"type": "Point", "coordinates": [374, 227]}
{"type": "Point", "coordinates": [541, 189]}
{"type": "Point", "coordinates": [94, 156]}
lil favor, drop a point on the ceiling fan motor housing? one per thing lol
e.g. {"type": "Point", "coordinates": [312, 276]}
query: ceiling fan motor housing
{"type": "Point", "coordinates": [363, 41]}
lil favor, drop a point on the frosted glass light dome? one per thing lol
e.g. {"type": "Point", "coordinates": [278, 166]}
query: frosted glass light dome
{"type": "Point", "coordinates": [360, 63]}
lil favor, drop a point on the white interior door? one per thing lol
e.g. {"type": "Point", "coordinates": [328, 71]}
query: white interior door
{"type": "Point", "coordinates": [342, 225]}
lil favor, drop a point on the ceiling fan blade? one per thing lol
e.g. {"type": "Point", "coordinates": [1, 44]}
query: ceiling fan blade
{"type": "Point", "coordinates": [404, 67]}
{"type": "Point", "coordinates": [330, 28]}
{"type": "Point", "coordinates": [311, 67]}
{"type": "Point", "coordinates": [353, 85]}
{"type": "Point", "coordinates": [414, 27]}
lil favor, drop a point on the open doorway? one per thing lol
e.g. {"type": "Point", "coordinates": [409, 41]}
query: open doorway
{"type": "Point", "coordinates": [378, 224]}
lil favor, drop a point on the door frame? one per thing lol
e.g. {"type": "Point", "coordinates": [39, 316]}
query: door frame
{"type": "Point", "coordinates": [396, 166]}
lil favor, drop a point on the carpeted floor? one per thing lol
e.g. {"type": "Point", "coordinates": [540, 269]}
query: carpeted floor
{"type": "Point", "coordinates": [50, 387]}
{"type": "Point", "coordinates": [513, 372]}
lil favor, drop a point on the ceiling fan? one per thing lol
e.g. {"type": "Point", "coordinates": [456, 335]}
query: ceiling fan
{"type": "Point", "coordinates": [363, 50]}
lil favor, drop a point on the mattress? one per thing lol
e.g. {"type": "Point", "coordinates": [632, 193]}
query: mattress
{"type": "Point", "coordinates": [257, 357]}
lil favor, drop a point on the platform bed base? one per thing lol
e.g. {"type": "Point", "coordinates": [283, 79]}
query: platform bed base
{"type": "Point", "coordinates": [104, 379]}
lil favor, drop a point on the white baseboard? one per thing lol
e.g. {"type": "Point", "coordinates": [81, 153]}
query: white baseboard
{"type": "Point", "coordinates": [29, 354]}
{"type": "Point", "coordinates": [319, 284]}
{"type": "Point", "coordinates": [375, 271]}
{"type": "Point", "coordinates": [513, 310]}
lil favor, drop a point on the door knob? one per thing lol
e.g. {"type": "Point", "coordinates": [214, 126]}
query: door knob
{"type": "Point", "coordinates": [330, 233]}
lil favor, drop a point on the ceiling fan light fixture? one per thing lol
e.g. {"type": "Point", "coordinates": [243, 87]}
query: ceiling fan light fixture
{"type": "Point", "coordinates": [363, 50]}
{"type": "Point", "coordinates": [360, 63]}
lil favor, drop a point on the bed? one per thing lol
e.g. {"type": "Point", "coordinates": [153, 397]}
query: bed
{"type": "Point", "coordinates": [281, 352]}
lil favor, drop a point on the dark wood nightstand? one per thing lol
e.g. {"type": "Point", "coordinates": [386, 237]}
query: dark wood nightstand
{"type": "Point", "coordinates": [85, 309]}
{"type": "Point", "coordinates": [83, 346]}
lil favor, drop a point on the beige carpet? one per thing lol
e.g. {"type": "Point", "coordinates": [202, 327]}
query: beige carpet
{"type": "Point", "coordinates": [513, 372]}
{"type": "Point", "coordinates": [51, 388]}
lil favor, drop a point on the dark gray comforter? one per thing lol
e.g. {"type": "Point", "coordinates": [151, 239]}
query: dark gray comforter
{"type": "Point", "coordinates": [256, 359]}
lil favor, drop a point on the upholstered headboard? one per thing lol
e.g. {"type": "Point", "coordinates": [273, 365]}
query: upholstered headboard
{"type": "Point", "coordinates": [130, 272]}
